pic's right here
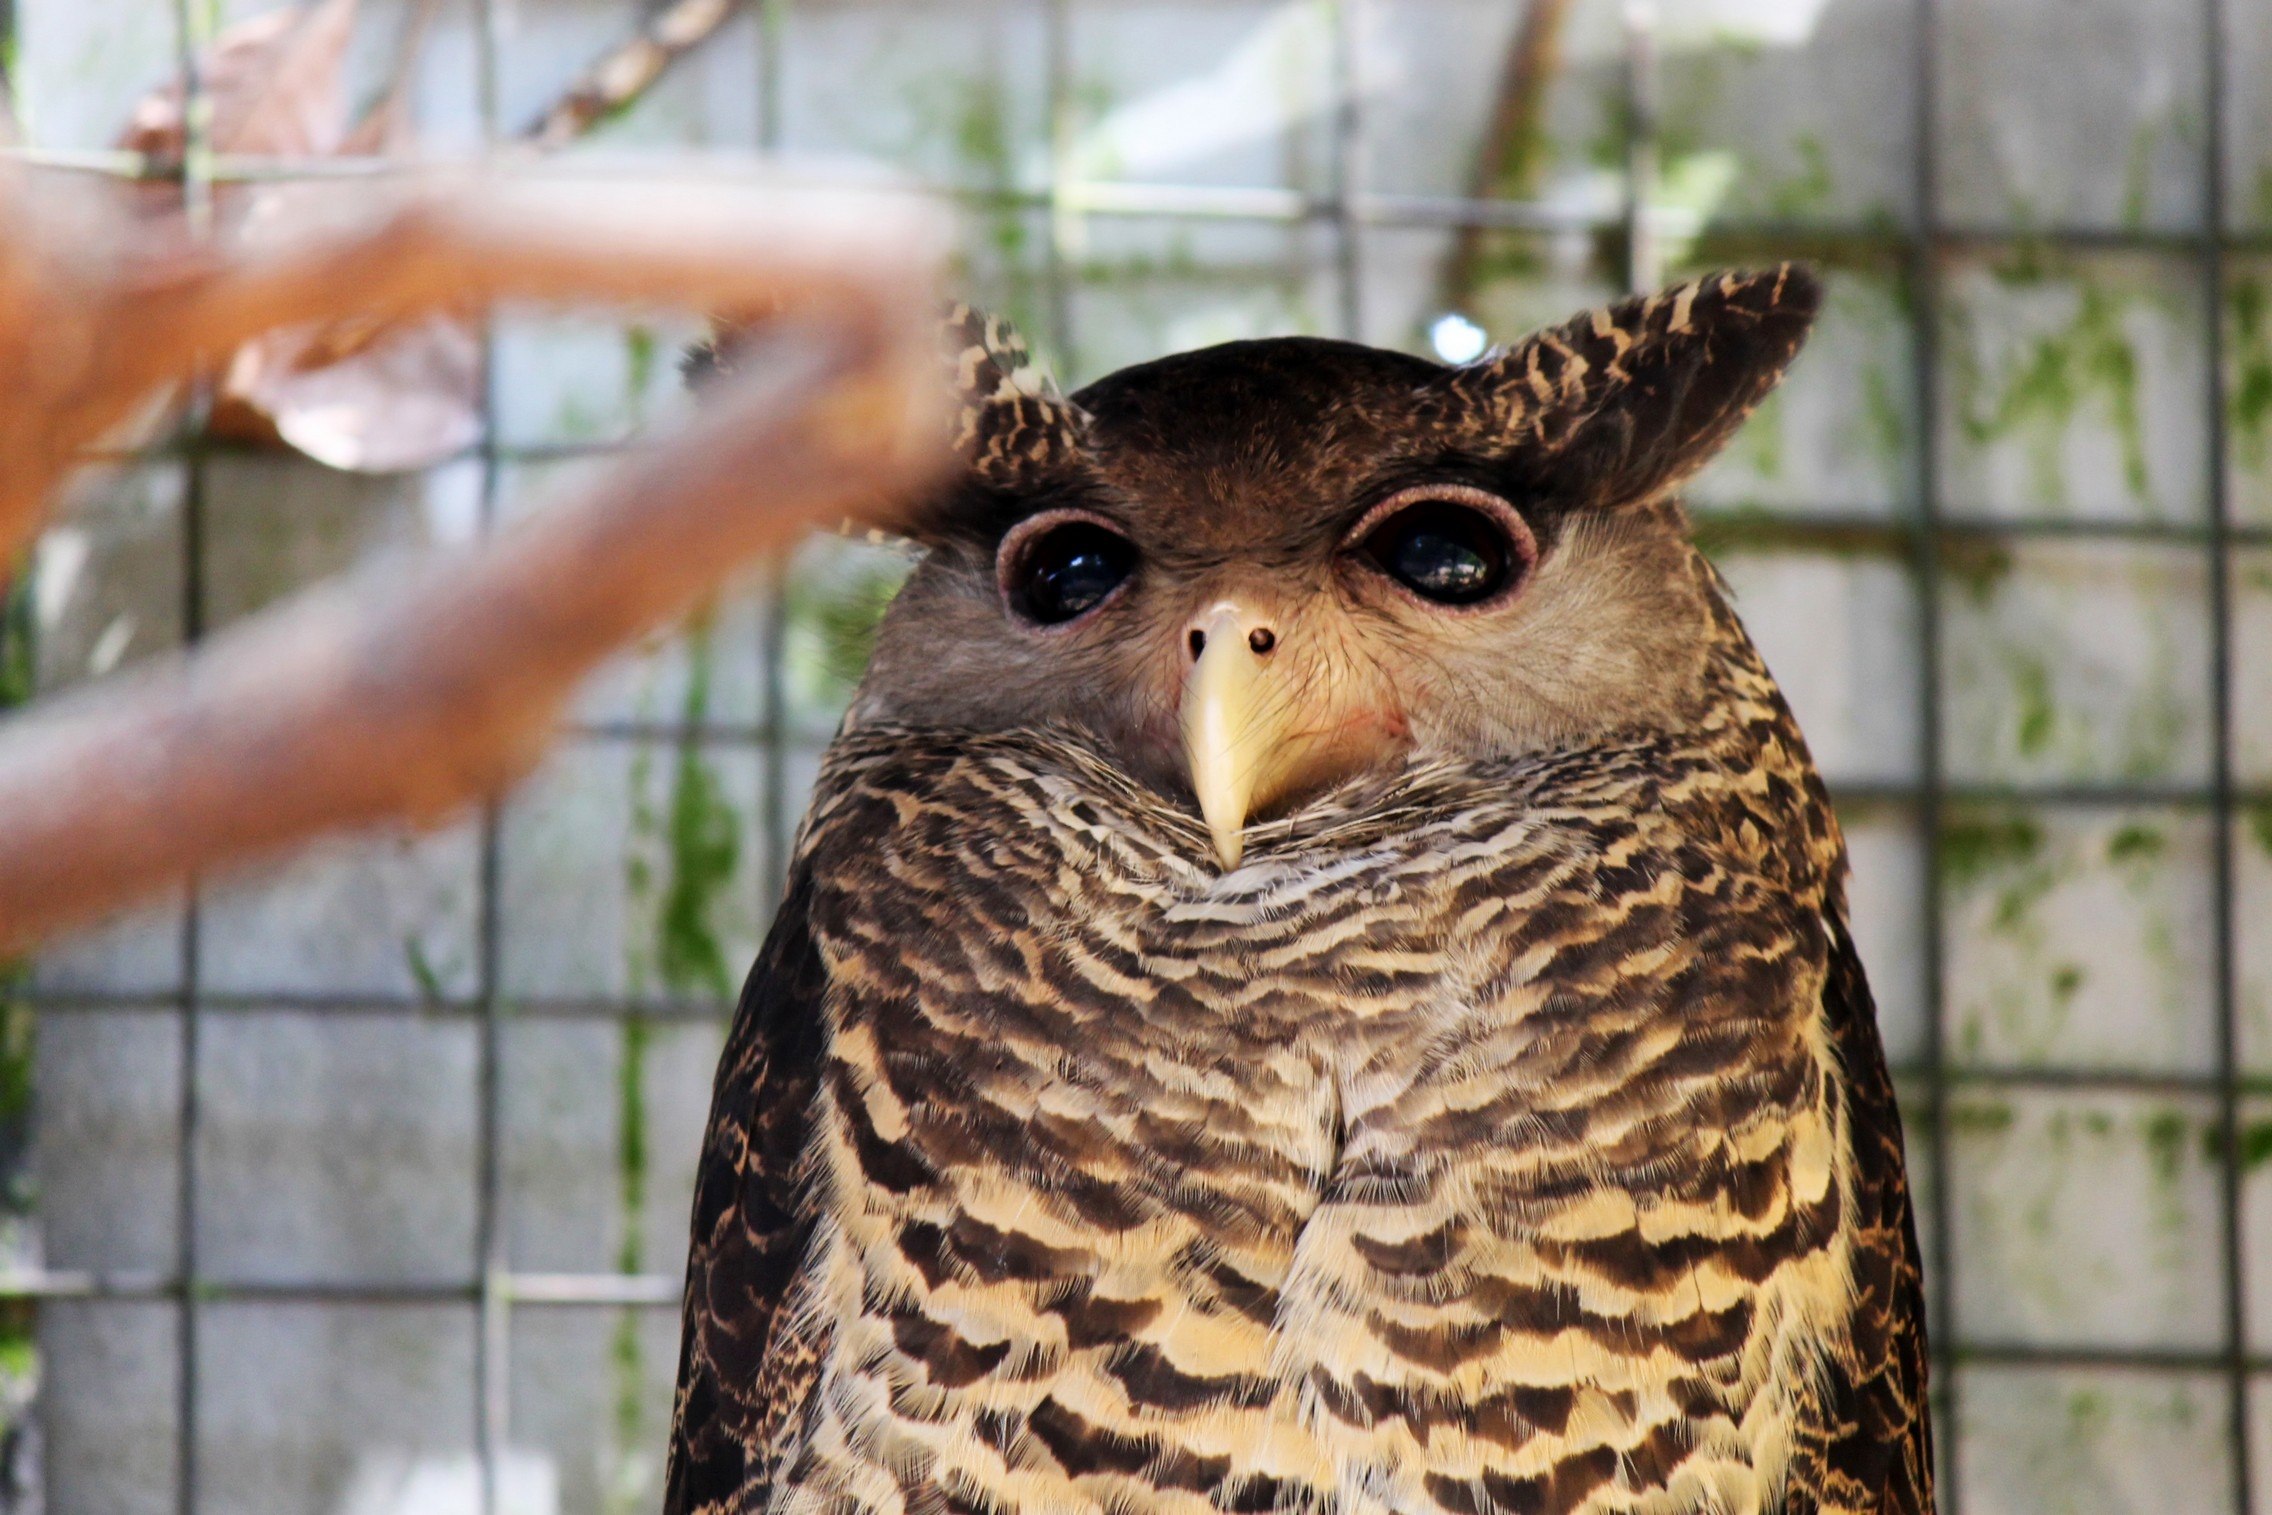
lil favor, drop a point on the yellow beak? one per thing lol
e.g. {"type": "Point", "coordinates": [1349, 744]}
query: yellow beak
{"type": "Point", "coordinates": [1233, 734]}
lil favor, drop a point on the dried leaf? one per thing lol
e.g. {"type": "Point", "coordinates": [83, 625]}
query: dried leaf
{"type": "Point", "coordinates": [356, 397]}
{"type": "Point", "coordinates": [368, 399]}
{"type": "Point", "coordinates": [276, 83]}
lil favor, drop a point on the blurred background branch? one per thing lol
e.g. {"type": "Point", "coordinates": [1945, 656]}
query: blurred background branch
{"type": "Point", "coordinates": [408, 699]}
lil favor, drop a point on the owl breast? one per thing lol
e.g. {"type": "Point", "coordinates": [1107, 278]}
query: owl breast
{"type": "Point", "coordinates": [1376, 1175]}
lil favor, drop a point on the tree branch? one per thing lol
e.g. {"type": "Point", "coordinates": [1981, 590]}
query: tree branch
{"type": "Point", "coordinates": [615, 81]}
{"type": "Point", "coordinates": [87, 340]}
{"type": "Point", "coordinates": [408, 699]}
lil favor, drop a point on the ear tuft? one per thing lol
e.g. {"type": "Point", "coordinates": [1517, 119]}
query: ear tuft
{"type": "Point", "coordinates": [1625, 402]}
{"type": "Point", "coordinates": [1014, 427]}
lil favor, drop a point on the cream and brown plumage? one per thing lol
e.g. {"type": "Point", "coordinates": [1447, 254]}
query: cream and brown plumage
{"type": "Point", "coordinates": [1317, 978]}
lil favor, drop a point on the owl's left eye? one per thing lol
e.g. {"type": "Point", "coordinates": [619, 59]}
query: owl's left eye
{"type": "Point", "coordinates": [1450, 546]}
{"type": "Point", "coordinates": [1058, 569]}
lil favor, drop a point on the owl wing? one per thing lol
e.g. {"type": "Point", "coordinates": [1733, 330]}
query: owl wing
{"type": "Point", "coordinates": [1873, 1446]}
{"type": "Point", "coordinates": [744, 1376]}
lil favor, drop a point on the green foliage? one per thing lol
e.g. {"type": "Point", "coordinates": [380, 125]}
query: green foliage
{"type": "Point", "coordinates": [2248, 402]}
{"type": "Point", "coordinates": [631, 1177]}
{"type": "Point", "coordinates": [973, 114]}
{"type": "Point", "coordinates": [1886, 415]}
{"type": "Point", "coordinates": [2254, 1139]}
{"type": "Point", "coordinates": [1975, 845]}
{"type": "Point", "coordinates": [19, 1351]}
{"type": "Point", "coordinates": [18, 666]}
{"type": "Point", "coordinates": [2165, 1132]}
{"type": "Point", "coordinates": [1979, 1117]}
{"type": "Point", "coordinates": [842, 614]}
{"type": "Point", "coordinates": [631, 1155]}
{"type": "Point", "coordinates": [1808, 192]}
{"type": "Point", "coordinates": [979, 126]}
{"type": "Point", "coordinates": [2136, 843]}
{"type": "Point", "coordinates": [705, 846]}
{"type": "Point", "coordinates": [639, 349]}
{"type": "Point", "coordinates": [18, 674]}
{"type": "Point", "coordinates": [699, 835]}
{"type": "Point", "coordinates": [2040, 389]}
{"type": "Point", "coordinates": [1976, 564]}
{"type": "Point", "coordinates": [2137, 175]}
{"type": "Point", "coordinates": [422, 970]}
{"type": "Point", "coordinates": [2038, 716]}
{"type": "Point", "coordinates": [2260, 824]}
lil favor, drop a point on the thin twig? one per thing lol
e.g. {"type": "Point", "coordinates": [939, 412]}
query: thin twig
{"type": "Point", "coordinates": [1513, 151]}
{"type": "Point", "coordinates": [626, 72]}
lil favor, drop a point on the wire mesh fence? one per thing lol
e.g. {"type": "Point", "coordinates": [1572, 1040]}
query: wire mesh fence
{"type": "Point", "coordinates": [362, 1186]}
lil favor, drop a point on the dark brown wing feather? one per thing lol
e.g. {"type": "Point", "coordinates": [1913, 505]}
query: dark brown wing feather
{"type": "Point", "coordinates": [739, 1381]}
{"type": "Point", "coordinates": [1874, 1445]}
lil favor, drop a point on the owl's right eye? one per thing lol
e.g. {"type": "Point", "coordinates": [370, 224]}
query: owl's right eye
{"type": "Point", "coordinates": [1056, 569]}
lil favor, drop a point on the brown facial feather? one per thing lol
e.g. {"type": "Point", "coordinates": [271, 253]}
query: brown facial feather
{"type": "Point", "coordinates": [1239, 470]}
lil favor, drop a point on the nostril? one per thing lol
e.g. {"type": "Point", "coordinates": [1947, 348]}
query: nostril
{"type": "Point", "coordinates": [1261, 639]}
{"type": "Point", "coordinates": [1198, 643]}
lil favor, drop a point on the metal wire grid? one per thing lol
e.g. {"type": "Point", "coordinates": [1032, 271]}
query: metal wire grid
{"type": "Point", "coordinates": [1346, 209]}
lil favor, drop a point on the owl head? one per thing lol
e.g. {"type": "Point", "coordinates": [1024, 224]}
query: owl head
{"type": "Point", "coordinates": [1253, 572]}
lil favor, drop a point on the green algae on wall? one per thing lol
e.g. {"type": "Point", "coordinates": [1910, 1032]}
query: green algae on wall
{"type": "Point", "coordinates": [973, 116]}
{"type": "Point", "coordinates": [678, 946]}
{"type": "Point", "coordinates": [2248, 388]}
{"type": "Point", "coordinates": [2039, 388]}
{"type": "Point", "coordinates": [2079, 667]}
{"type": "Point", "coordinates": [2260, 824]}
{"type": "Point", "coordinates": [2077, 940]}
{"type": "Point", "coordinates": [1973, 844]}
{"type": "Point", "coordinates": [2254, 1140]}
{"type": "Point", "coordinates": [832, 615]}
{"type": "Point", "coordinates": [1808, 192]}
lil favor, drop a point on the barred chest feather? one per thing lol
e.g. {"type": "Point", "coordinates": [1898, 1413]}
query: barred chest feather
{"type": "Point", "coordinates": [1477, 1145]}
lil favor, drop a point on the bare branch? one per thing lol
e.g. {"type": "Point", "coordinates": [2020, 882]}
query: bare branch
{"type": "Point", "coordinates": [86, 341]}
{"type": "Point", "coordinates": [407, 700]}
{"type": "Point", "coordinates": [617, 80]}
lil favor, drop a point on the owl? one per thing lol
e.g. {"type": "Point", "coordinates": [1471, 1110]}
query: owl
{"type": "Point", "coordinates": [1316, 978]}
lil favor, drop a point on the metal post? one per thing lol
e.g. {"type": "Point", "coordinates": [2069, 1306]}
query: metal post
{"type": "Point", "coordinates": [492, 1261]}
{"type": "Point", "coordinates": [194, 38]}
{"type": "Point", "coordinates": [2223, 954]}
{"type": "Point", "coordinates": [1924, 282]}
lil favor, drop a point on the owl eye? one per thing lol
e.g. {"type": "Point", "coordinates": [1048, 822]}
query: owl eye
{"type": "Point", "coordinates": [1055, 570]}
{"type": "Point", "coordinates": [1448, 551]}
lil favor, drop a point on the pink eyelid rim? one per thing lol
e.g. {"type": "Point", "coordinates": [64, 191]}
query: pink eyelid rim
{"type": "Point", "coordinates": [1519, 536]}
{"type": "Point", "coordinates": [1014, 546]}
